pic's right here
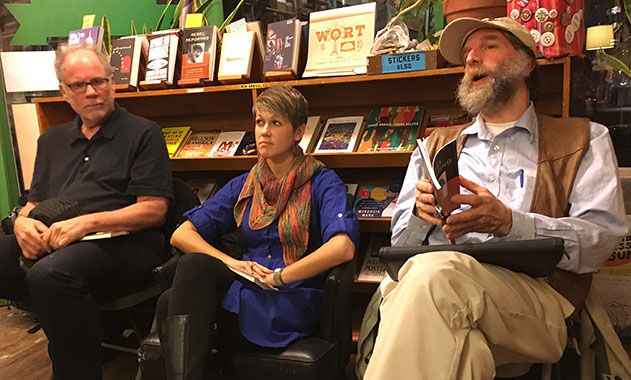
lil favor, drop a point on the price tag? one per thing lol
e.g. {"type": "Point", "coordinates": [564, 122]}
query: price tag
{"type": "Point", "coordinates": [249, 86]}
{"type": "Point", "coordinates": [88, 21]}
{"type": "Point", "coordinates": [396, 63]}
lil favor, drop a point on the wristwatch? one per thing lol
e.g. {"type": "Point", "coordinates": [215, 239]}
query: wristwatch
{"type": "Point", "coordinates": [278, 279]}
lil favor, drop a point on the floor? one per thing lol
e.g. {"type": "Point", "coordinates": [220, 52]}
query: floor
{"type": "Point", "coordinates": [23, 355]}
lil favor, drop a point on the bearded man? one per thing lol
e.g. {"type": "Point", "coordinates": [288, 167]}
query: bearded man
{"type": "Point", "coordinates": [450, 316]}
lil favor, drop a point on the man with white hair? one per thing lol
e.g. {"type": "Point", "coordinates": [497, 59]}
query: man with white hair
{"type": "Point", "coordinates": [115, 166]}
{"type": "Point", "coordinates": [525, 176]}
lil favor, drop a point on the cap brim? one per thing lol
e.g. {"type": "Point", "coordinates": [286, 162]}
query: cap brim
{"type": "Point", "coordinates": [452, 38]}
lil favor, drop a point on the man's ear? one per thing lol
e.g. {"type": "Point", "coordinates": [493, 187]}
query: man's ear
{"type": "Point", "coordinates": [63, 91]}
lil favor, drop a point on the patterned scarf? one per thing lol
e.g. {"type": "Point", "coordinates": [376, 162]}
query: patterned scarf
{"type": "Point", "coordinates": [287, 198]}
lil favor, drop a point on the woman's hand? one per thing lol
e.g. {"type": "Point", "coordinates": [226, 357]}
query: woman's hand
{"type": "Point", "coordinates": [252, 267]}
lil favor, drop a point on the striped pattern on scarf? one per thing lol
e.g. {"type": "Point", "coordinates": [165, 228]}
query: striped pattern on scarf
{"type": "Point", "coordinates": [287, 198]}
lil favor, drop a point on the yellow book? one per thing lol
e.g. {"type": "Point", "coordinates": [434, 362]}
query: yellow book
{"type": "Point", "coordinates": [174, 137]}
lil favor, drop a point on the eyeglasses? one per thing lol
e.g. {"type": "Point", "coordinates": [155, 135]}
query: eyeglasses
{"type": "Point", "coordinates": [96, 83]}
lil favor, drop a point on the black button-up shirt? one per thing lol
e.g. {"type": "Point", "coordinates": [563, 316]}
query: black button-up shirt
{"type": "Point", "coordinates": [126, 158]}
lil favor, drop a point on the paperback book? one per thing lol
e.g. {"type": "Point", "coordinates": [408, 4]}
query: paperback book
{"type": "Point", "coordinates": [227, 144]}
{"type": "Point", "coordinates": [377, 201]}
{"type": "Point", "coordinates": [199, 53]}
{"type": "Point", "coordinates": [174, 138]}
{"type": "Point", "coordinates": [443, 172]}
{"type": "Point", "coordinates": [253, 279]}
{"type": "Point", "coordinates": [312, 133]}
{"type": "Point", "coordinates": [247, 146]}
{"type": "Point", "coordinates": [199, 144]}
{"type": "Point", "coordinates": [129, 61]}
{"type": "Point", "coordinates": [282, 49]}
{"type": "Point", "coordinates": [340, 134]}
{"type": "Point", "coordinates": [391, 129]}
{"type": "Point", "coordinates": [164, 57]}
{"type": "Point", "coordinates": [372, 269]}
{"type": "Point", "coordinates": [340, 40]}
{"type": "Point", "coordinates": [87, 37]}
{"type": "Point", "coordinates": [237, 57]}
{"type": "Point", "coordinates": [439, 121]}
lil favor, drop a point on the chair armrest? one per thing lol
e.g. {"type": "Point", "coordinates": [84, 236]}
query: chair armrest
{"type": "Point", "coordinates": [165, 272]}
{"type": "Point", "coordinates": [335, 325]}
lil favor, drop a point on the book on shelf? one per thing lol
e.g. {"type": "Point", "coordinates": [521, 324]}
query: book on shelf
{"type": "Point", "coordinates": [247, 147]}
{"type": "Point", "coordinates": [92, 36]}
{"type": "Point", "coordinates": [227, 143]}
{"type": "Point", "coordinates": [340, 134]}
{"type": "Point", "coordinates": [163, 60]}
{"type": "Point", "coordinates": [199, 144]}
{"type": "Point", "coordinates": [448, 120]}
{"type": "Point", "coordinates": [443, 173]}
{"type": "Point", "coordinates": [174, 138]}
{"type": "Point", "coordinates": [340, 40]}
{"type": "Point", "coordinates": [312, 132]}
{"type": "Point", "coordinates": [129, 61]}
{"type": "Point", "coordinates": [391, 129]}
{"type": "Point", "coordinates": [238, 58]}
{"type": "Point", "coordinates": [199, 55]}
{"type": "Point", "coordinates": [282, 49]}
{"type": "Point", "coordinates": [377, 201]}
{"type": "Point", "coordinates": [204, 188]}
{"type": "Point", "coordinates": [372, 269]}
{"type": "Point", "coordinates": [253, 279]}
{"type": "Point", "coordinates": [351, 189]}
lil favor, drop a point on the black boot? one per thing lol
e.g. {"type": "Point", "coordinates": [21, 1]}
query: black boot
{"type": "Point", "coordinates": [184, 340]}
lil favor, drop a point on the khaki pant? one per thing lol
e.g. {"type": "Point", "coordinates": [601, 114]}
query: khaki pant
{"type": "Point", "coordinates": [450, 317]}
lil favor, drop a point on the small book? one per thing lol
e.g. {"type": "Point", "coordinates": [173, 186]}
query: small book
{"type": "Point", "coordinates": [374, 201]}
{"type": "Point", "coordinates": [92, 36]}
{"type": "Point", "coordinates": [391, 129]}
{"type": "Point", "coordinates": [247, 146]}
{"type": "Point", "coordinates": [174, 138]}
{"type": "Point", "coordinates": [129, 61]}
{"type": "Point", "coordinates": [439, 121]}
{"type": "Point", "coordinates": [104, 235]}
{"type": "Point", "coordinates": [372, 269]}
{"type": "Point", "coordinates": [443, 172]}
{"type": "Point", "coordinates": [199, 144]}
{"type": "Point", "coordinates": [282, 49]}
{"type": "Point", "coordinates": [252, 278]}
{"type": "Point", "coordinates": [237, 57]}
{"type": "Point", "coordinates": [227, 143]}
{"type": "Point", "coordinates": [351, 189]}
{"type": "Point", "coordinates": [340, 134]}
{"type": "Point", "coordinates": [204, 188]}
{"type": "Point", "coordinates": [312, 133]}
{"type": "Point", "coordinates": [199, 54]}
{"type": "Point", "coordinates": [164, 57]}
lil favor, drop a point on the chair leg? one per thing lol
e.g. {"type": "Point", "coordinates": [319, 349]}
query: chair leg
{"type": "Point", "coordinates": [185, 343]}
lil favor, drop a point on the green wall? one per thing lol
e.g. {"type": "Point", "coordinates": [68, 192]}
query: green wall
{"type": "Point", "coordinates": [36, 18]}
{"type": "Point", "coordinates": [9, 188]}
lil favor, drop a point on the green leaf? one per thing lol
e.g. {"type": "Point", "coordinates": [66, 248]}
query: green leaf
{"type": "Point", "coordinates": [229, 18]}
{"type": "Point", "coordinates": [213, 12]}
{"type": "Point", "coordinates": [133, 28]}
{"type": "Point", "coordinates": [107, 36]}
{"type": "Point", "coordinates": [615, 63]}
{"type": "Point", "coordinates": [175, 23]}
{"type": "Point", "coordinates": [627, 9]}
{"type": "Point", "coordinates": [159, 24]}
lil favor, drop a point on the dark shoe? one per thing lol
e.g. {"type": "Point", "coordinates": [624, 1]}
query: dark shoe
{"type": "Point", "coordinates": [185, 343]}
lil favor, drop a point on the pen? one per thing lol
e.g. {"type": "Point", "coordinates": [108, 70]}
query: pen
{"type": "Point", "coordinates": [521, 177]}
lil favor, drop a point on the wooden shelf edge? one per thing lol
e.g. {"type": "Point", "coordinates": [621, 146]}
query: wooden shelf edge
{"type": "Point", "coordinates": [299, 82]}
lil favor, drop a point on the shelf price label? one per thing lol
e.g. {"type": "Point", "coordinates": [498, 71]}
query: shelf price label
{"type": "Point", "coordinates": [396, 63]}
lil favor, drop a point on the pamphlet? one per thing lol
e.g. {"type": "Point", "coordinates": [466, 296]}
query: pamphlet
{"type": "Point", "coordinates": [252, 278]}
{"type": "Point", "coordinates": [443, 172]}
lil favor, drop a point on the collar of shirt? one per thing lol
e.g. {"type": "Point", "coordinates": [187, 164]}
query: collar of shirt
{"type": "Point", "coordinates": [527, 121]}
{"type": "Point", "coordinates": [108, 129]}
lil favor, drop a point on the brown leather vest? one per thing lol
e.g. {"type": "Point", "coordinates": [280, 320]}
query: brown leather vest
{"type": "Point", "coordinates": [562, 145]}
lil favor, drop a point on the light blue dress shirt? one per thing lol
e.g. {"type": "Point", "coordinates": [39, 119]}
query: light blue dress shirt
{"type": "Point", "coordinates": [596, 220]}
